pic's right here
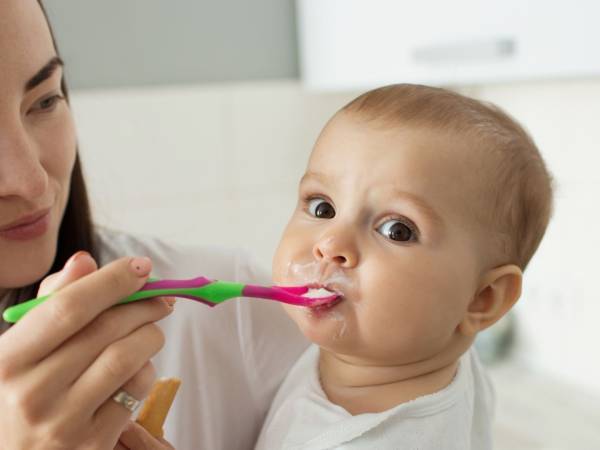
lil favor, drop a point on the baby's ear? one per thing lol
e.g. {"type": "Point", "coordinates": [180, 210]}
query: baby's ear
{"type": "Point", "coordinates": [498, 292]}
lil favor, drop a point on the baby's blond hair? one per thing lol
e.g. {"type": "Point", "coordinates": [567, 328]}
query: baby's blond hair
{"type": "Point", "coordinates": [518, 186]}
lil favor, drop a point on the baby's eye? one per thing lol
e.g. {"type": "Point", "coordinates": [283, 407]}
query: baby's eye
{"type": "Point", "coordinates": [396, 231]}
{"type": "Point", "coordinates": [320, 208]}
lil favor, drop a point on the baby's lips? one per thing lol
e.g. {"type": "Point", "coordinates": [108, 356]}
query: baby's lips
{"type": "Point", "coordinates": [319, 291]}
{"type": "Point", "coordinates": [315, 291]}
{"type": "Point", "coordinates": [326, 305]}
{"type": "Point", "coordinates": [331, 287]}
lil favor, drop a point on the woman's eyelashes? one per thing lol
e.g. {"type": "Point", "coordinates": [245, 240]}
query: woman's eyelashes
{"type": "Point", "coordinates": [398, 230]}
{"type": "Point", "coordinates": [46, 104]}
{"type": "Point", "coordinates": [320, 208]}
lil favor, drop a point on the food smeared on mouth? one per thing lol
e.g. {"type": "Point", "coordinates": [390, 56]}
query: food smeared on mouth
{"type": "Point", "coordinates": [319, 293]}
{"type": "Point", "coordinates": [324, 293]}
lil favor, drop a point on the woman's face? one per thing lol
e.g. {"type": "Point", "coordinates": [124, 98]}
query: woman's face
{"type": "Point", "coordinates": [37, 145]}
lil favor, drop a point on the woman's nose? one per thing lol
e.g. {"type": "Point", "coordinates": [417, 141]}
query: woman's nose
{"type": "Point", "coordinates": [21, 171]}
{"type": "Point", "coordinates": [337, 247]}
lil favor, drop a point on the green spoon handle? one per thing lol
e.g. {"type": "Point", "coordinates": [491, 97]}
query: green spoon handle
{"type": "Point", "coordinates": [16, 313]}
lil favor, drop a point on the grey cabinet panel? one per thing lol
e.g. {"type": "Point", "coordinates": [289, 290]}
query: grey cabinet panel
{"type": "Point", "coordinates": [113, 43]}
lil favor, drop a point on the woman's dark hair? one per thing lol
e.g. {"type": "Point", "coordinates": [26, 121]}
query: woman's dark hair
{"type": "Point", "coordinates": [76, 229]}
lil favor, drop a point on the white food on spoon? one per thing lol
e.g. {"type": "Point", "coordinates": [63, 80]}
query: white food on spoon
{"type": "Point", "coordinates": [318, 293]}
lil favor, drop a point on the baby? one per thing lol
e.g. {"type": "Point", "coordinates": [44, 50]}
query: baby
{"type": "Point", "coordinates": [421, 208]}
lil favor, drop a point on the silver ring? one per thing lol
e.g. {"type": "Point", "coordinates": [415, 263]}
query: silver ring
{"type": "Point", "coordinates": [123, 398]}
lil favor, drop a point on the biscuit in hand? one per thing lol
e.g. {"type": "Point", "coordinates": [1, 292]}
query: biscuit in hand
{"type": "Point", "coordinates": [156, 406]}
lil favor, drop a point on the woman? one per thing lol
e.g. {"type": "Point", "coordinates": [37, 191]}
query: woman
{"type": "Point", "coordinates": [61, 366]}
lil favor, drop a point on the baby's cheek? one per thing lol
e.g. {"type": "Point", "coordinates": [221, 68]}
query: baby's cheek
{"type": "Point", "coordinates": [298, 315]}
{"type": "Point", "coordinates": [280, 268]}
{"type": "Point", "coordinates": [284, 258]}
{"type": "Point", "coordinates": [446, 302]}
{"type": "Point", "coordinates": [290, 310]}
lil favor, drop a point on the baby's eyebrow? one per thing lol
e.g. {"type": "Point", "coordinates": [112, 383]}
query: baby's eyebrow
{"type": "Point", "coordinates": [318, 176]}
{"type": "Point", "coordinates": [421, 205]}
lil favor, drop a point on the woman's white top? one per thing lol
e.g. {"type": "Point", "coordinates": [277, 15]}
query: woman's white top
{"type": "Point", "coordinates": [231, 358]}
{"type": "Point", "coordinates": [456, 418]}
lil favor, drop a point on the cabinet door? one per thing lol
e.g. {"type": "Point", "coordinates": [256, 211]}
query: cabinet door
{"type": "Point", "coordinates": [349, 44]}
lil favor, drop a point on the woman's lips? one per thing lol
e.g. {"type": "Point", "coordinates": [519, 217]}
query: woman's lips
{"type": "Point", "coordinates": [27, 228]}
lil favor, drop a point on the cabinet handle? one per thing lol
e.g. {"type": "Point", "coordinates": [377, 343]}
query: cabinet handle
{"type": "Point", "coordinates": [472, 51]}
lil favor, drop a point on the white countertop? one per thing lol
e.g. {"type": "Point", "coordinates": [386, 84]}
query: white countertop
{"type": "Point", "coordinates": [536, 412]}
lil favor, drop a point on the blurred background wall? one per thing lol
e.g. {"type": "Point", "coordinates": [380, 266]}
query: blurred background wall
{"type": "Point", "coordinates": [117, 43]}
{"type": "Point", "coordinates": [195, 127]}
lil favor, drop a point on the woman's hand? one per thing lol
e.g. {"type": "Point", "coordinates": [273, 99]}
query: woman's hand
{"type": "Point", "coordinates": [61, 364]}
{"type": "Point", "coordinates": [135, 437]}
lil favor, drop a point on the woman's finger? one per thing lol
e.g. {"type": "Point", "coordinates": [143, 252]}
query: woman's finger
{"type": "Point", "coordinates": [135, 437]}
{"type": "Point", "coordinates": [78, 266]}
{"type": "Point", "coordinates": [74, 357]}
{"type": "Point", "coordinates": [113, 416]}
{"type": "Point", "coordinates": [117, 364]}
{"type": "Point", "coordinates": [46, 327]}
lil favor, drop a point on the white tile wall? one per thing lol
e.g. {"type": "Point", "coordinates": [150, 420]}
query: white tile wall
{"type": "Point", "coordinates": [559, 312]}
{"type": "Point", "coordinates": [200, 164]}
{"type": "Point", "coordinates": [220, 163]}
{"type": "Point", "coordinates": [537, 412]}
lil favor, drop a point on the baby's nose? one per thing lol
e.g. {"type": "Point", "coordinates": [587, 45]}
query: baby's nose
{"type": "Point", "coordinates": [340, 252]}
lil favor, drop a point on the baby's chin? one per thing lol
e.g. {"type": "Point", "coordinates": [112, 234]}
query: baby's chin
{"type": "Point", "coordinates": [327, 326]}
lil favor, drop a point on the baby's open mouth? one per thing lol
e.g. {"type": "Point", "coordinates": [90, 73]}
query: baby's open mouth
{"type": "Point", "coordinates": [320, 291]}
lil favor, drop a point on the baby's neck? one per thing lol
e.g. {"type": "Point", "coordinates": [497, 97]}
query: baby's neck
{"type": "Point", "coordinates": [363, 388]}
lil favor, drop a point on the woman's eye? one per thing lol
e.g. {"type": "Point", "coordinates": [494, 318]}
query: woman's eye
{"type": "Point", "coordinates": [47, 104]}
{"type": "Point", "coordinates": [321, 209]}
{"type": "Point", "coordinates": [396, 231]}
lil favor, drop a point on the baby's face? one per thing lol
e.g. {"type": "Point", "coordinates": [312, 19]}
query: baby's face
{"type": "Point", "coordinates": [382, 218]}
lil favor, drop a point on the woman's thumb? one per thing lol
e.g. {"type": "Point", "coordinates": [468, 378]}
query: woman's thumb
{"type": "Point", "coordinates": [78, 266]}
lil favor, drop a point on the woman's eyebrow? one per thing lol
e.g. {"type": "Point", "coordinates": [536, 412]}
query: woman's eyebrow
{"type": "Point", "coordinates": [44, 73]}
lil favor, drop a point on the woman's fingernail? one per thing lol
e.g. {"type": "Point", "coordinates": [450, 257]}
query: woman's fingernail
{"type": "Point", "coordinates": [75, 257]}
{"type": "Point", "coordinates": [170, 301]}
{"type": "Point", "coordinates": [141, 266]}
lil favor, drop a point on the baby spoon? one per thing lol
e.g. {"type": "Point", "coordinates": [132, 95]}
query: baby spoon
{"type": "Point", "coordinates": [204, 290]}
